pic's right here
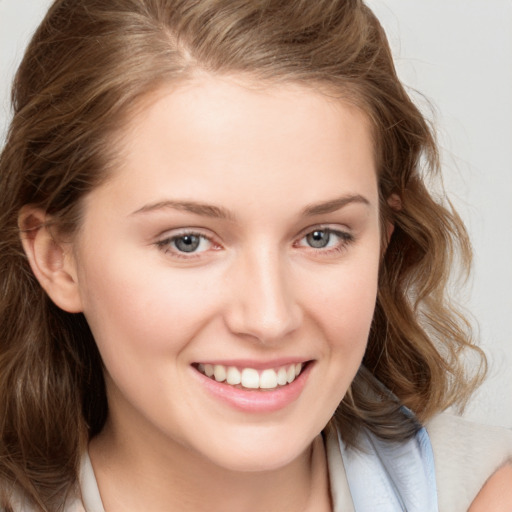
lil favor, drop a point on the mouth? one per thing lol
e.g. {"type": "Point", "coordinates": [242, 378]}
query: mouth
{"type": "Point", "coordinates": [251, 378]}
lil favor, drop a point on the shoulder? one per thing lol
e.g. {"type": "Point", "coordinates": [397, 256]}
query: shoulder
{"type": "Point", "coordinates": [466, 454]}
{"type": "Point", "coordinates": [496, 494]}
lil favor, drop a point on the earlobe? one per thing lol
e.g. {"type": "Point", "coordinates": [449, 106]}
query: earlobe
{"type": "Point", "coordinates": [51, 261]}
{"type": "Point", "coordinates": [390, 227]}
{"type": "Point", "coordinates": [395, 203]}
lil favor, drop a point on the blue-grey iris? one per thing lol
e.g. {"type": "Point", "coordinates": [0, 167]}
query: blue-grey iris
{"type": "Point", "coordinates": [318, 239]}
{"type": "Point", "coordinates": [187, 243]}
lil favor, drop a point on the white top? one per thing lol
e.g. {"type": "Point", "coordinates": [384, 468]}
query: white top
{"type": "Point", "coordinates": [465, 454]}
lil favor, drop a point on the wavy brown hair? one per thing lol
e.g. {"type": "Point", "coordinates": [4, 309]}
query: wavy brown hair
{"type": "Point", "coordinates": [88, 66]}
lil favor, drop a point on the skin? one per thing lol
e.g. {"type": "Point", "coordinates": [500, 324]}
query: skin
{"type": "Point", "coordinates": [283, 161]}
{"type": "Point", "coordinates": [496, 494]}
{"type": "Point", "coordinates": [276, 164]}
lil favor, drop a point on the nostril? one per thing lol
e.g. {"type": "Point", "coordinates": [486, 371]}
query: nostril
{"type": "Point", "coordinates": [262, 303]}
{"type": "Point", "coordinates": [266, 327]}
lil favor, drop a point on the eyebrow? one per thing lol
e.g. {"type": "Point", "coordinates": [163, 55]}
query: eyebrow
{"type": "Point", "coordinates": [203, 209]}
{"type": "Point", "coordinates": [334, 205]}
{"type": "Point", "coordinates": [218, 212]}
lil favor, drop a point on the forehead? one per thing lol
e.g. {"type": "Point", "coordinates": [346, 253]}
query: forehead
{"type": "Point", "coordinates": [225, 137]}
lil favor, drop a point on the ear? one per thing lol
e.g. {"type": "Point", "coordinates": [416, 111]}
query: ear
{"type": "Point", "coordinates": [52, 261]}
{"type": "Point", "coordinates": [390, 227]}
{"type": "Point", "coordinates": [395, 203]}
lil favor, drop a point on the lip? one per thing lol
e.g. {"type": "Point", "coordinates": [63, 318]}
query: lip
{"type": "Point", "coordinates": [255, 400]}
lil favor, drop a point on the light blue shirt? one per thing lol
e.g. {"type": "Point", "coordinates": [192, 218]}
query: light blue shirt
{"type": "Point", "coordinates": [384, 476]}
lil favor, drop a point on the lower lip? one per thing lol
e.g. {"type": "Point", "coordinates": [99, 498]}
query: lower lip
{"type": "Point", "coordinates": [254, 400]}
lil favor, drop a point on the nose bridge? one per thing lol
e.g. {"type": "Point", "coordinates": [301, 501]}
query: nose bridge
{"type": "Point", "coordinates": [264, 305]}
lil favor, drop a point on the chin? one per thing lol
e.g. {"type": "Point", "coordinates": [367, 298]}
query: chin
{"type": "Point", "coordinates": [256, 462]}
{"type": "Point", "coordinates": [254, 454]}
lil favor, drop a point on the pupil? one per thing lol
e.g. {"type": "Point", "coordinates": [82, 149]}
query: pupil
{"type": "Point", "coordinates": [318, 239]}
{"type": "Point", "coordinates": [187, 243]}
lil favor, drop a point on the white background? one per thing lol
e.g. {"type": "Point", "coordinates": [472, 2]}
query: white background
{"type": "Point", "coordinates": [458, 53]}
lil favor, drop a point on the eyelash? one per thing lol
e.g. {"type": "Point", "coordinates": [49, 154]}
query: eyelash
{"type": "Point", "coordinates": [166, 244]}
{"type": "Point", "coordinates": [345, 239]}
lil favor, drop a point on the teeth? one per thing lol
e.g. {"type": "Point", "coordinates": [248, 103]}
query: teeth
{"type": "Point", "coordinates": [251, 378]}
{"type": "Point", "coordinates": [219, 372]}
{"type": "Point", "coordinates": [268, 379]}
{"type": "Point", "coordinates": [233, 376]}
{"type": "Point", "coordinates": [282, 377]}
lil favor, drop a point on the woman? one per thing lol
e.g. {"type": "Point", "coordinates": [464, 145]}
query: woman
{"type": "Point", "coordinates": [224, 277]}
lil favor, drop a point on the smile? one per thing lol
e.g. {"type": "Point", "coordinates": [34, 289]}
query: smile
{"type": "Point", "coordinates": [250, 378]}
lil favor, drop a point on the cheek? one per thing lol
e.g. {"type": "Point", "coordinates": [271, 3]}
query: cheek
{"type": "Point", "coordinates": [342, 303]}
{"type": "Point", "coordinates": [141, 308]}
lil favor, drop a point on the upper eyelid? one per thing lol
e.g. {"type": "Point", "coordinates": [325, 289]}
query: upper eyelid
{"type": "Point", "coordinates": [165, 244]}
{"type": "Point", "coordinates": [337, 232]}
{"type": "Point", "coordinates": [170, 234]}
{"type": "Point", "coordinates": [324, 227]}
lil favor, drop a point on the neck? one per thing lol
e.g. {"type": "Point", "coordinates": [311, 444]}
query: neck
{"type": "Point", "coordinates": [134, 476]}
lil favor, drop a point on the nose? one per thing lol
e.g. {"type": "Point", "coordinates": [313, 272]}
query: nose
{"type": "Point", "coordinates": [262, 304]}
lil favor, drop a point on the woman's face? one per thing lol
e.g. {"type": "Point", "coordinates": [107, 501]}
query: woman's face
{"type": "Point", "coordinates": [239, 235]}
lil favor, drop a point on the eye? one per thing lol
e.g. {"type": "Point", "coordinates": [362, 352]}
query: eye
{"type": "Point", "coordinates": [185, 243]}
{"type": "Point", "coordinates": [319, 239]}
{"type": "Point", "coordinates": [325, 238]}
